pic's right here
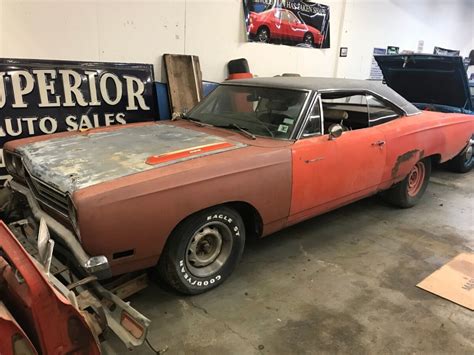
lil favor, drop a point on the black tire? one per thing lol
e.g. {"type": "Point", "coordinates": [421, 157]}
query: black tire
{"type": "Point", "coordinates": [463, 162]}
{"type": "Point", "coordinates": [402, 194]}
{"type": "Point", "coordinates": [263, 35]}
{"type": "Point", "coordinates": [308, 39]}
{"type": "Point", "coordinates": [182, 263]}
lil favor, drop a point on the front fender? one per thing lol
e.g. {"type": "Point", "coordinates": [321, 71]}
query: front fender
{"type": "Point", "coordinates": [134, 216]}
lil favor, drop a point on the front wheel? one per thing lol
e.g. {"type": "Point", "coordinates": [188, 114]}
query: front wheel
{"type": "Point", "coordinates": [463, 162]}
{"type": "Point", "coordinates": [203, 250]}
{"type": "Point", "coordinates": [408, 192]}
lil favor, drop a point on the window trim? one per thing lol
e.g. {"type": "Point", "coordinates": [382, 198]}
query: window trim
{"type": "Point", "coordinates": [380, 118]}
{"type": "Point", "coordinates": [394, 106]}
{"type": "Point", "coordinates": [315, 101]}
{"type": "Point", "coordinates": [318, 96]}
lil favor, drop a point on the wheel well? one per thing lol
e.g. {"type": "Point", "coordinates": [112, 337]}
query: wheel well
{"type": "Point", "coordinates": [435, 159]}
{"type": "Point", "coordinates": [309, 33]}
{"type": "Point", "coordinates": [263, 26]}
{"type": "Point", "coordinates": [251, 217]}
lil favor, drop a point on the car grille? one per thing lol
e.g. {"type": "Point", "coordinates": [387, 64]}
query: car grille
{"type": "Point", "coordinates": [47, 195]}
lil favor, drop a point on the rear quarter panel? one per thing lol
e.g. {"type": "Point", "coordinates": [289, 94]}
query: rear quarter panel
{"type": "Point", "coordinates": [412, 138]}
{"type": "Point", "coordinates": [140, 211]}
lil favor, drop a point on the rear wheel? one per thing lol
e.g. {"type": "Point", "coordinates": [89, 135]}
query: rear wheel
{"type": "Point", "coordinates": [309, 39]}
{"type": "Point", "coordinates": [263, 35]}
{"type": "Point", "coordinates": [408, 192]}
{"type": "Point", "coordinates": [463, 162]}
{"type": "Point", "coordinates": [203, 250]}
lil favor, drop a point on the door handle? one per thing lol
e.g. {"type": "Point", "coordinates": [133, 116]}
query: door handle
{"type": "Point", "coordinates": [379, 144]}
{"type": "Point", "coordinates": [313, 160]}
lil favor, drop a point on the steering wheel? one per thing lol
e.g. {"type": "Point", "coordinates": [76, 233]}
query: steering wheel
{"type": "Point", "coordinates": [266, 128]}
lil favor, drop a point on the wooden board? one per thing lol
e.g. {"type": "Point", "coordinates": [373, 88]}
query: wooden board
{"type": "Point", "coordinates": [454, 281]}
{"type": "Point", "coordinates": [184, 81]}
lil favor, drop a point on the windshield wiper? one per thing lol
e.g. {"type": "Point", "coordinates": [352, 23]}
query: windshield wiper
{"type": "Point", "coordinates": [196, 121]}
{"type": "Point", "coordinates": [242, 130]}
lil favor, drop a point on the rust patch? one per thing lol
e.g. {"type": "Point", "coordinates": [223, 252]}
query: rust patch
{"type": "Point", "coordinates": [404, 158]}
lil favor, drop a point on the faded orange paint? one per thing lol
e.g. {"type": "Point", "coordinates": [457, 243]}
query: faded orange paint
{"type": "Point", "coordinates": [285, 181]}
{"type": "Point", "coordinates": [331, 173]}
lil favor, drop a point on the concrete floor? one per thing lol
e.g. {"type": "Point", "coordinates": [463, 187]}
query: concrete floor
{"type": "Point", "coordinates": [343, 282]}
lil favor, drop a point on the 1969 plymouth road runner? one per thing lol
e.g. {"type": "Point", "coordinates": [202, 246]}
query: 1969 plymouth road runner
{"type": "Point", "coordinates": [254, 157]}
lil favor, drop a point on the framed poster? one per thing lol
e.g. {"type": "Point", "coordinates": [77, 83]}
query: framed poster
{"type": "Point", "coordinates": [290, 22]}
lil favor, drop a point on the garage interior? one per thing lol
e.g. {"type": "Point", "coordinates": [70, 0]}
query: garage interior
{"type": "Point", "coordinates": [347, 281]}
{"type": "Point", "coordinates": [343, 283]}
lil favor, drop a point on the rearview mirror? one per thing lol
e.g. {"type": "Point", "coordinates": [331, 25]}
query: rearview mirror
{"type": "Point", "coordinates": [252, 98]}
{"type": "Point", "coordinates": [335, 131]}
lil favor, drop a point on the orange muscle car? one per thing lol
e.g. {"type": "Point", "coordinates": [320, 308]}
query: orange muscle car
{"type": "Point", "coordinates": [252, 158]}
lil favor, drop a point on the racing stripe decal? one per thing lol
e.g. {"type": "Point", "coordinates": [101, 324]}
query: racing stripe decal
{"type": "Point", "coordinates": [186, 153]}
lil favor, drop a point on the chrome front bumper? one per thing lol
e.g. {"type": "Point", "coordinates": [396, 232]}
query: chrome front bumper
{"type": "Point", "coordinates": [93, 265]}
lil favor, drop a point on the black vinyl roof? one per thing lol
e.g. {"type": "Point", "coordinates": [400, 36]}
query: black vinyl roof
{"type": "Point", "coordinates": [328, 84]}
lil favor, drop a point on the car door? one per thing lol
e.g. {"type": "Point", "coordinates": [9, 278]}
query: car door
{"type": "Point", "coordinates": [277, 27]}
{"type": "Point", "coordinates": [295, 28]}
{"type": "Point", "coordinates": [328, 173]}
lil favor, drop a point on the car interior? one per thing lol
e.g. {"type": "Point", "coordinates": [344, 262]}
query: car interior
{"type": "Point", "coordinates": [355, 111]}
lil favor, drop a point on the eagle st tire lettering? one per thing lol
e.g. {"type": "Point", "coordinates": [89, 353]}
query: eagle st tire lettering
{"type": "Point", "coordinates": [221, 232]}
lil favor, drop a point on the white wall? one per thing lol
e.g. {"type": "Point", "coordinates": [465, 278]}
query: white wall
{"type": "Point", "coordinates": [402, 23]}
{"type": "Point", "coordinates": [143, 30]}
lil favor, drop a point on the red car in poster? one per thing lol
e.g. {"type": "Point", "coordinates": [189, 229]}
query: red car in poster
{"type": "Point", "coordinates": [282, 24]}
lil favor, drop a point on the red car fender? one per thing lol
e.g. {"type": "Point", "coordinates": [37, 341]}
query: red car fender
{"type": "Point", "coordinates": [51, 322]}
{"type": "Point", "coordinates": [14, 340]}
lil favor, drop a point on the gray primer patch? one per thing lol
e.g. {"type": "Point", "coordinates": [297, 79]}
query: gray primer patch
{"type": "Point", "coordinates": [81, 161]}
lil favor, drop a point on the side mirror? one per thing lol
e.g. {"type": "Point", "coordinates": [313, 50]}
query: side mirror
{"type": "Point", "coordinates": [335, 131]}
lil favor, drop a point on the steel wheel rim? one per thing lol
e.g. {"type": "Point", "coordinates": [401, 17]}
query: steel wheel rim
{"type": "Point", "coordinates": [263, 35]}
{"type": "Point", "coordinates": [308, 39]}
{"type": "Point", "coordinates": [209, 249]}
{"type": "Point", "coordinates": [416, 179]}
{"type": "Point", "coordinates": [468, 156]}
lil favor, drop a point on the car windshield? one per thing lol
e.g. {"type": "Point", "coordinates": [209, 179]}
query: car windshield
{"type": "Point", "coordinates": [259, 111]}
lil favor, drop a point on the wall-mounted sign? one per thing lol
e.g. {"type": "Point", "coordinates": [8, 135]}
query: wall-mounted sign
{"type": "Point", "coordinates": [43, 97]}
{"type": "Point", "coordinates": [445, 51]}
{"type": "Point", "coordinates": [391, 50]}
{"type": "Point", "coordinates": [421, 46]}
{"type": "Point", "coordinates": [375, 71]}
{"type": "Point", "coordinates": [291, 22]}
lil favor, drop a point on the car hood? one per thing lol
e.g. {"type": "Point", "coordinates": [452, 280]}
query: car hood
{"type": "Point", "coordinates": [76, 162]}
{"type": "Point", "coordinates": [430, 79]}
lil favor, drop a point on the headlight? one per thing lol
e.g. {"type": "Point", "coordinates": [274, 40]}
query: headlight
{"type": "Point", "coordinates": [14, 164]}
{"type": "Point", "coordinates": [73, 216]}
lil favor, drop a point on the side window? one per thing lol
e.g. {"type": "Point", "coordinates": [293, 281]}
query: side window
{"type": "Point", "coordinates": [313, 126]}
{"type": "Point", "coordinates": [379, 112]}
{"type": "Point", "coordinates": [348, 109]}
{"type": "Point", "coordinates": [292, 18]}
